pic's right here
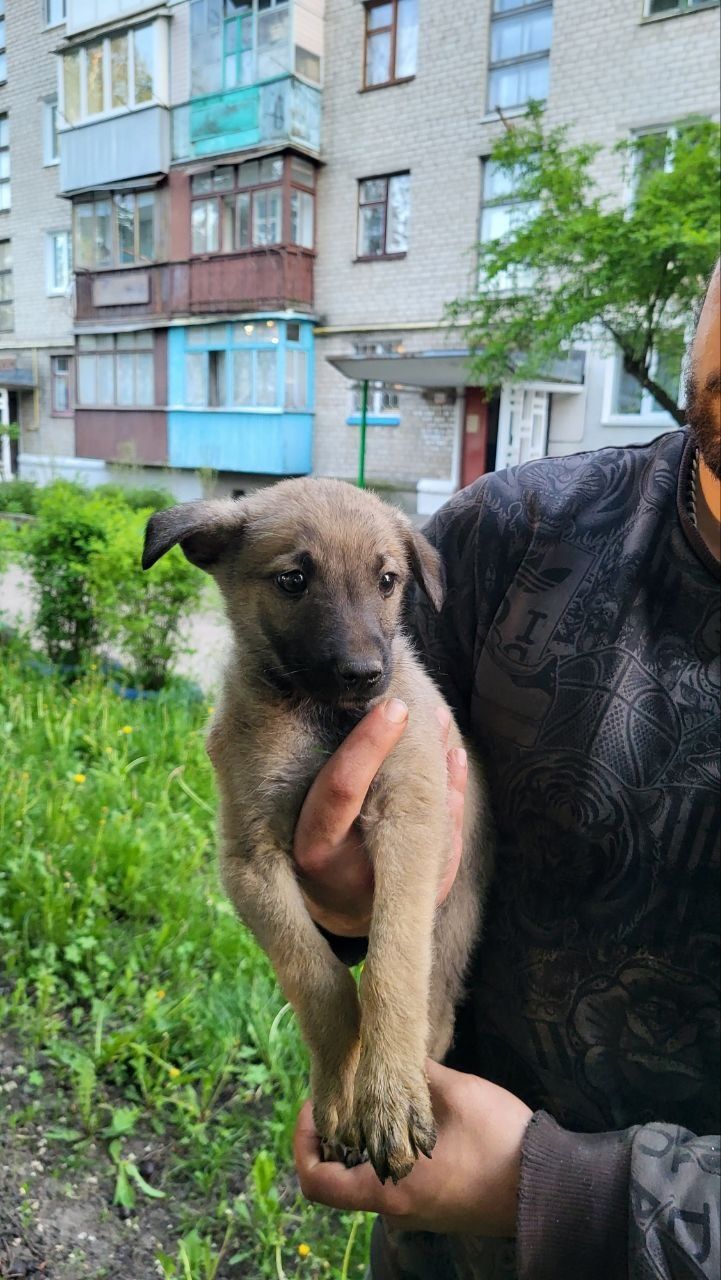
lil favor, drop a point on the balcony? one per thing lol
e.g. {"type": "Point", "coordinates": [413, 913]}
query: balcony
{"type": "Point", "coordinates": [269, 279]}
{"type": "Point", "coordinates": [84, 15]}
{"type": "Point", "coordinates": [278, 111]}
{"type": "Point", "coordinates": [273, 443]}
{"type": "Point", "coordinates": [115, 149]}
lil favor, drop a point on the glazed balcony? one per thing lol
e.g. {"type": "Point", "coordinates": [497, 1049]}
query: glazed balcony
{"type": "Point", "coordinates": [115, 149]}
{"type": "Point", "coordinates": [279, 111]}
{"type": "Point", "coordinates": [267, 279]}
{"type": "Point", "coordinates": [85, 15]}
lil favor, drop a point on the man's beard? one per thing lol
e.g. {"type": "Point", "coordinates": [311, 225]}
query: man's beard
{"type": "Point", "coordinates": [703, 424]}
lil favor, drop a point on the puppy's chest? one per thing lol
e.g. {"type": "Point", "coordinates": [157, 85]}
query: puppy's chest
{"type": "Point", "coordinates": [290, 762]}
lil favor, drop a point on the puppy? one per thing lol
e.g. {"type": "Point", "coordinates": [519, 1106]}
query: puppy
{"type": "Point", "coordinates": [313, 574]}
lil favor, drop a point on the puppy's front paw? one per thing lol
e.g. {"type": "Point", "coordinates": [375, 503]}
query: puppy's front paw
{"type": "Point", "coordinates": [342, 1154]}
{"type": "Point", "coordinates": [393, 1120]}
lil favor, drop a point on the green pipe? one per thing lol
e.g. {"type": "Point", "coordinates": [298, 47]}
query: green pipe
{"type": "Point", "coordinates": [362, 447]}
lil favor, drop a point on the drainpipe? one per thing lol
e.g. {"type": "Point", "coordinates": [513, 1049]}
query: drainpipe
{"type": "Point", "coordinates": [362, 444]}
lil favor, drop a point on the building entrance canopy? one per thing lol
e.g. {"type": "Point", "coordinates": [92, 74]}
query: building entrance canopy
{"type": "Point", "coordinates": [430, 370]}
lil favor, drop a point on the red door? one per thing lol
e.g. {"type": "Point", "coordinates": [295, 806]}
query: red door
{"type": "Point", "coordinates": [475, 436]}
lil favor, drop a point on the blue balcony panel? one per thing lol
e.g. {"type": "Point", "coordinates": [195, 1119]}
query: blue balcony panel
{"type": "Point", "coordinates": [270, 443]}
{"type": "Point", "coordinates": [116, 149]}
{"type": "Point", "coordinates": [282, 110]}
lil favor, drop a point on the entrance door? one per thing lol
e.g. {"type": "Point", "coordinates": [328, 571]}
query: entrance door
{"type": "Point", "coordinates": [475, 436]}
{"type": "Point", "coordinates": [522, 426]}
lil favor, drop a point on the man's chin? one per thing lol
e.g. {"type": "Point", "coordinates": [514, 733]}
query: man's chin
{"type": "Point", "coordinates": [702, 416]}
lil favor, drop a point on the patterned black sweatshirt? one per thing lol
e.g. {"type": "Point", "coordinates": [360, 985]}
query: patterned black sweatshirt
{"type": "Point", "coordinates": [579, 645]}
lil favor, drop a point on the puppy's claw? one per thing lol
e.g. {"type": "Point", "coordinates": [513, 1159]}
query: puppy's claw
{"type": "Point", "coordinates": [340, 1153]}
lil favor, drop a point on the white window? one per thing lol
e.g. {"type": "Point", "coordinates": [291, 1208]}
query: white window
{"type": "Point", "coordinates": [390, 43]}
{"type": "Point", "coordinates": [382, 396]}
{"type": "Point", "coordinates": [520, 52]}
{"type": "Point", "coordinates": [3, 55]}
{"type": "Point", "coordinates": [501, 214]}
{"type": "Point", "coordinates": [59, 261]}
{"type": "Point", "coordinates": [296, 379]}
{"type": "Point", "coordinates": [51, 148]}
{"type": "Point", "coordinates": [383, 215]}
{"type": "Point", "coordinates": [118, 231]}
{"type": "Point", "coordinates": [656, 7]}
{"type": "Point", "coordinates": [55, 12]}
{"type": "Point", "coordinates": [113, 73]}
{"type": "Point", "coordinates": [6, 285]}
{"type": "Point", "coordinates": [4, 162]}
{"type": "Point", "coordinates": [630, 400]}
{"type": "Point", "coordinates": [116, 369]}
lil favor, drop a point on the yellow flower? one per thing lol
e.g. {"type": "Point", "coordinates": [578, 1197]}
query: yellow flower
{"type": "Point", "coordinates": [127, 728]}
{"type": "Point", "coordinates": [108, 751]}
{"type": "Point", "coordinates": [304, 1250]}
{"type": "Point", "coordinates": [173, 1072]}
{"type": "Point", "coordinates": [160, 995]}
{"type": "Point", "coordinates": [79, 778]}
{"type": "Point", "coordinates": [93, 666]}
{"type": "Point", "coordinates": [211, 710]}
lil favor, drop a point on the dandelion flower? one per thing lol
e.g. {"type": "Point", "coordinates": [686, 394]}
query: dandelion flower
{"type": "Point", "coordinates": [160, 995]}
{"type": "Point", "coordinates": [211, 710]}
{"type": "Point", "coordinates": [173, 1072]}
{"type": "Point", "coordinates": [127, 728]}
{"type": "Point", "coordinates": [79, 778]}
{"type": "Point", "coordinates": [93, 666]}
{"type": "Point", "coordinates": [304, 1250]}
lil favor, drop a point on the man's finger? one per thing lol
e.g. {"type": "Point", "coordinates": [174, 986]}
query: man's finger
{"type": "Point", "coordinates": [328, 1182]}
{"type": "Point", "coordinates": [337, 794]}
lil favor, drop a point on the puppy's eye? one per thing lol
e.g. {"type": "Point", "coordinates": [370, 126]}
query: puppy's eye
{"type": "Point", "coordinates": [386, 583]}
{"type": "Point", "coordinates": [293, 582]}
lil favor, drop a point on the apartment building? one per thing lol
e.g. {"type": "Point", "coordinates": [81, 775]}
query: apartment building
{"type": "Point", "coordinates": [189, 139]}
{"type": "Point", "coordinates": [36, 314]}
{"type": "Point", "coordinates": [410, 114]}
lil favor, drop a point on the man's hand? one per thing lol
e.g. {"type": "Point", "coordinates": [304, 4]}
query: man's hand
{"type": "Point", "coordinates": [469, 1185]}
{"type": "Point", "coordinates": [334, 871]}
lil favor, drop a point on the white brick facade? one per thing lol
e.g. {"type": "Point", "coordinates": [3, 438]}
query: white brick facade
{"type": "Point", "coordinates": [611, 73]}
{"type": "Point", "coordinates": [42, 324]}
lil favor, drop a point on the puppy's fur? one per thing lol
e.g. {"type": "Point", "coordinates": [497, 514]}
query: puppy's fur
{"type": "Point", "coordinates": [313, 573]}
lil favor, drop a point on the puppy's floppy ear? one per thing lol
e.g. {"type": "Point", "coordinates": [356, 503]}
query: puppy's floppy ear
{"type": "Point", "coordinates": [426, 566]}
{"type": "Point", "coordinates": [203, 530]}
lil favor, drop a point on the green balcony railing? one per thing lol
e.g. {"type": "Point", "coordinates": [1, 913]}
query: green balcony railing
{"type": "Point", "coordinates": [281, 110]}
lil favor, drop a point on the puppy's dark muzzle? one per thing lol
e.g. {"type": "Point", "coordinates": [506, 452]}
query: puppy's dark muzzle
{"type": "Point", "coordinates": [358, 679]}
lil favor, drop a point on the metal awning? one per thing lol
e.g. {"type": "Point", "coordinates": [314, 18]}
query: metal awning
{"type": "Point", "coordinates": [17, 380]}
{"type": "Point", "coordinates": [443, 369]}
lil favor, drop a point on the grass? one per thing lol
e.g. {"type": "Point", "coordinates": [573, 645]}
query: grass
{"type": "Point", "coordinates": [137, 997]}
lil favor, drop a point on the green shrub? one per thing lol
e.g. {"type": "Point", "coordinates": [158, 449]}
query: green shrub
{"type": "Point", "coordinates": [19, 497]}
{"type": "Point", "coordinates": [142, 613]}
{"type": "Point", "coordinates": [68, 532]}
{"type": "Point", "coordinates": [153, 498]}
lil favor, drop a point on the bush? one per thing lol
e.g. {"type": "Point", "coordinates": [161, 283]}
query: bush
{"type": "Point", "coordinates": [142, 613]}
{"type": "Point", "coordinates": [19, 497]}
{"type": "Point", "coordinates": [84, 551]}
{"type": "Point", "coordinates": [152, 498]}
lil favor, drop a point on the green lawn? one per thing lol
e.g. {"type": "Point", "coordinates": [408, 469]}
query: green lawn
{"type": "Point", "coordinates": [145, 1017]}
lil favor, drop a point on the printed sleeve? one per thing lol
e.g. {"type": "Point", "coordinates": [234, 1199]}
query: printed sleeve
{"type": "Point", "coordinates": [638, 1204]}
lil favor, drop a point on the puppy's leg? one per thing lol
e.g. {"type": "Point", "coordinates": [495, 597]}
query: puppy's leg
{"type": "Point", "coordinates": [392, 1109]}
{"type": "Point", "coordinates": [265, 893]}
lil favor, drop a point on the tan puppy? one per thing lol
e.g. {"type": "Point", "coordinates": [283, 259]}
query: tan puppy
{"type": "Point", "coordinates": [313, 573]}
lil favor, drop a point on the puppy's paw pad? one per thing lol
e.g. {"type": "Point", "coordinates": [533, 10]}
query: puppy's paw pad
{"type": "Point", "coordinates": [340, 1153]}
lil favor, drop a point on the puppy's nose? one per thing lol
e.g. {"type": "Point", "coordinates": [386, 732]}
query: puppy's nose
{"type": "Point", "coordinates": [359, 676]}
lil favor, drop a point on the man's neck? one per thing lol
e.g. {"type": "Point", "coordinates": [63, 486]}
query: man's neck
{"type": "Point", "coordinates": [708, 509]}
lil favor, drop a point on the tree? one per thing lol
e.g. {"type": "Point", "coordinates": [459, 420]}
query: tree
{"type": "Point", "coordinates": [580, 264]}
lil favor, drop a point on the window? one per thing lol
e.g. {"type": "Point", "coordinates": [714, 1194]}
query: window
{"type": "Point", "coordinates": [51, 148]}
{"type": "Point", "coordinates": [243, 207]}
{"type": "Point", "coordinates": [655, 150]}
{"type": "Point", "coordinates": [114, 73]}
{"type": "Point", "coordinates": [116, 369]}
{"type": "Point", "coordinates": [501, 213]}
{"type": "Point", "coordinates": [391, 38]}
{"type": "Point", "coordinates": [116, 231]}
{"type": "Point", "coordinates": [250, 364]}
{"type": "Point", "coordinates": [55, 12]}
{"type": "Point", "coordinates": [383, 210]}
{"type": "Point", "coordinates": [3, 54]}
{"type": "Point", "coordinates": [59, 261]}
{"type": "Point", "coordinates": [255, 40]}
{"type": "Point", "coordinates": [61, 402]}
{"type": "Point", "coordinates": [382, 396]}
{"type": "Point", "coordinates": [6, 286]}
{"type": "Point", "coordinates": [4, 163]}
{"type": "Point", "coordinates": [630, 398]}
{"type": "Point", "coordinates": [520, 48]}
{"type": "Point", "coordinates": [656, 7]}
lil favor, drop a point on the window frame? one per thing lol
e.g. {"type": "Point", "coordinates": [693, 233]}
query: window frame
{"type": "Point", "coordinates": [505, 200]}
{"type": "Point", "coordinates": [55, 412]}
{"type": "Point", "coordinates": [376, 410]}
{"type": "Point", "coordinates": [51, 288]}
{"type": "Point", "coordinates": [47, 9]}
{"type": "Point", "coordinates": [385, 255]}
{"type": "Point", "coordinates": [286, 184]}
{"type": "Point", "coordinates": [51, 154]}
{"type": "Point", "coordinates": [226, 340]}
{"type": "Point", "coordinates": [105, 40]}
{"type": "Point", "coordinates": [3, 44]}
{"type": "Point", "coordinates": [646, 416]}
{"type": "Point", "coordinates": [681, 7]}
{"type": "Point", "coordinates": [527, 6]}
{"type": "Point", "coordinates": [83, 351]}
{"type": "Point", "coordinates": [5, 182]}
{"type": "Point", "coordinates": [113, 198]}
{"type": "Point", "coordinates": [10, 301]}
{"type": "Point", "coordinates": [368, 33]}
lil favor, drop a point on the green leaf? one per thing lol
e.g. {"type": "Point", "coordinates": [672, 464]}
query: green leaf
{"type": "Point", "coordinates": [123, 1121]}
{"type": "Point", "coordinates": [134, 1173]}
